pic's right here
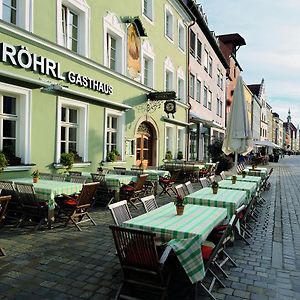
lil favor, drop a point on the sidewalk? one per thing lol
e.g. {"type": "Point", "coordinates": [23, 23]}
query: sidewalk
{"type": "Point", "coordinates": [66, 264]}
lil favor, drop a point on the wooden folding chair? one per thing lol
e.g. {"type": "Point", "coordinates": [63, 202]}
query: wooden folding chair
{"type": "Point", "coordinates": [149, 203]}
{"type": "Point", "coordinates": [180, 190]}
{"type": "Point", "coordinates": [203, 182]}
{"type": "Point", "coordinates": [75, 173]}
{"type": "Point", "coordinates": [4, 200]}
{"type": "Point", "coordinates": [167, 183]}
{"type": "Point", "coordinates": [45, 176]}
{"type": "Point", "coordinates": [222, 175]}
{"type": "Point", "coordinates": [120, 170]}
{"type": "Point", "coordinates": [58, 177]}
{"type": "Point", "coordinates": [144, 273]}
{"type": "Point", "coordinates": [78, 179]}
{"type": "Point", "coordinates": [104, 195]}
{"type": "Point", "coordinates": [77, 209]}
{"type": "Point", "coordinates": [189, 187]}
{"type": "Point", "coordinates": [120, 212]}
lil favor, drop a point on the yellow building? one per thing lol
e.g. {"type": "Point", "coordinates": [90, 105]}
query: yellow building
{"type": "Point", "coordinates": [248, 98]}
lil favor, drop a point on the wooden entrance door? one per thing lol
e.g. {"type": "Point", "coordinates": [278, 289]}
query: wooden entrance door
{"type": "Point", "coordinates": [144, 145]}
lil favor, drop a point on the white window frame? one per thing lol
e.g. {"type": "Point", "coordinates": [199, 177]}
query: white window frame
{"type": "Point", "coordinates": [192, 85]}
{"type": "Point", "coordinates": [209, 100]}
{"type": "Point", "coordinates": [170, 141]}
{"type": "Point", "coordinates": [84, 15]}
{"type": "Point", "coordinates": [114, 27]}
{"type": "Point", "coordinates": [150, 16]}
{"type": "Point", "coordinates": [82, 134]}
{"type": "Point", "coordinates": [148, 53]}
{"type": "Point", "coordinates": [120, 131]}
{"type": "Point", "coordinates": [181, 36]}
{"type": "Point", "coordinates": [169, 30]}
{"type": "Point", "coordinates": [24, 14]}
{"type": "Point", "coordinates": [221, 108]}
{"type": "Point", "coordinates": [23, 128]}
{"type": "Point", "coordinates": [205, 64]}
{"type": "Point", "coordinates": [193, 51]}
{"type": "Point", "coordinates": [210, 66]}
{"type": "Point", "coordinates": [181, 85]}
{"type": "Point", "coordinates": [199, 58]}
{"type": "Point", "coordinates": [205, 96]}
{"type": "Point", "coordinates": [168, 69]}
{"type": "Point", "coordinates": [198, 90]}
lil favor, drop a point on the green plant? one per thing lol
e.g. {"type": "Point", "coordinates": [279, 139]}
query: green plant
{"type": "Point", "coordinates": [35, 174]}
{"type": "Point", "coordinates": [111, 156]}
{"type": "Point", "coordinates": [179, 201]}
{"type": "Point", "coordinates": [3, 161]}
{"type": "Point", "coordinates": [169, 155]}
{"type": "Point", "coordinates": [67, 159]}
{"type": "Point", "coordinates": [179, 155]}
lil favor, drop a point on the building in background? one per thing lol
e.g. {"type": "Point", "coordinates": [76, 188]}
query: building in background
{"type": "Point", "coordinates": [256, 113]}
{"type": "Point", "coordinates": [271, 127]}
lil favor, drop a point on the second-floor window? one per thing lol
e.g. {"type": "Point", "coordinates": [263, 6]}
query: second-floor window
{"type": "Point", "coordinates": [169, 80]}
{"type": "Point", "coordinates": [199, 51]}
{"type": "Point", "coordinates": [112, 52]}
{"type": "Point", "coordinates": [70, 29]}
{"type": "Point", "coordinates": [192, 85]}
{"type": "Point", "coordinates": [180, 89]}
{"type": "Point", "coordinates": [209, 100]}
{"type": "Point", "coordinates": [148, 9]}
{"type": "Point", "coordinates": [181, 37]}
{"type": "Point", "coordinates": [9, 11]}
{"type": "Point", "coordinates": [210, 66]}
{"type": "Point", "coordinates": [169, 24]}
{"type": "Point", "coordinates": [198, 96]}
{"type": "Point", "coordinates": [205, 97]}
{"type": "Point", "coordinates": [193, 43]}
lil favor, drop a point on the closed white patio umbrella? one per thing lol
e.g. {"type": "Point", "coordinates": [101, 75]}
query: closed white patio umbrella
{"type": "Point", "coordinates": [238, 137]}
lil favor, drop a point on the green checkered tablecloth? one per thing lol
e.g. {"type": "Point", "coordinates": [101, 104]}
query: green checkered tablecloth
{"type": "Point", "coordinates": [262, 171]}
{"type": "Point", "coordinates": [47, 190]}
{"type": "Point", "coordinates": [255, 179]}
{"type": "Point", "coordinates": [114, 181]}
{"type": "Point", "coordinates": [248, 187]}
{"type": "Point", "coordinates": [153, 175]}
{"type": "Point", "coordinates": [187, 232]}
{"type": "Point", "coordinates": [230, 199]}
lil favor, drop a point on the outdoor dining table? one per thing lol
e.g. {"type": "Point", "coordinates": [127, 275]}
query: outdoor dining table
{"type": "Point", "coordinates": [262, 171]}
{"type": "Point", "coordinates": [255, 179]}
{"type": "Point", "coordinates": [185, 233]}
{"type": "Point", "coordinates": [229, 199]}
{"type": "Point", "coordinates": [47, 190]}
{"type": "Point", "coordinates": [249, 187]}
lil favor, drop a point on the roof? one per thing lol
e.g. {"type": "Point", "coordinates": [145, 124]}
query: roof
{"type": "Point", "coordinates": [254, 88]}
{"type": "Point", "coordinates": [233, 38]}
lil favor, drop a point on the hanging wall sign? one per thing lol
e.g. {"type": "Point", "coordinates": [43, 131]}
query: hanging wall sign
{"type": "Point", "coordinates": [19, 56]}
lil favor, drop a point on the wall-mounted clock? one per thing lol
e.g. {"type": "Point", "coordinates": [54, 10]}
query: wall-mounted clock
{"type": "Point", "coordinates": [170, 107]}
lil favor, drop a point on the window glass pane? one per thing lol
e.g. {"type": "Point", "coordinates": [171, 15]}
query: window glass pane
{"type": "Point", "coordinates": [114, 137]}
{"type": "Point", "coordinates": [114, 123]}
{"type": "Point", "coordinates": [138, 143]}
{"type": "Point", "coordinates": [72, 115]}
{"type": "Point", "coordinates": [63, 133]}
{"type": "Point", "coordinates": [138, 154]}
{"type": "Point", "coordinates": [63, 114]}
{"type": "Point", "coordinates": [9, 146]}
{"type": "Point", "coordinates": [9, 128]}
{"type": "Point", "coordinates": [145, 143]}
{"type": "Point", "coordinates": [146, 155]}
{"type": "Point", "coordinates": [62, 147]}
{"type": "Point", "coordinates": [72, 147]}
{"type": "Point", "coordinates": [9, 105]}
{"type": "Point", "coordinates": [73, 134]}
{"type": "Point", "coordinates": [9, 11]}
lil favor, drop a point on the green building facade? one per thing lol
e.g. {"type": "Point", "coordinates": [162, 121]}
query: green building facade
{"type": "Point", "coordinates": [92, 77]}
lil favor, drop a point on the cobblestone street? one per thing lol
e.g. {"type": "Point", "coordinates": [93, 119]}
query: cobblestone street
{"type": "Point", "coordinates": [63, 263]}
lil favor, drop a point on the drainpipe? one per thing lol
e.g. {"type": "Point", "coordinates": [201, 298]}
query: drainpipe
{"type": "Point", "coordinates": [188, 85]}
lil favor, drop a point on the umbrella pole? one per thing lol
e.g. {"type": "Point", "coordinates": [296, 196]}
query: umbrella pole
{"type": "Point", "coordinates": [235, 160]}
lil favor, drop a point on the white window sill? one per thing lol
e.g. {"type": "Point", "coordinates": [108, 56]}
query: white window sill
{"type": "Point", "coordinates": [75, 165]}
{"type": "Point", "coordinates": [18, 168]}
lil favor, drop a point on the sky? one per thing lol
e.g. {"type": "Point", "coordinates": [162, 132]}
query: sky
{"type": "Point", "coordinates": [271, 29]}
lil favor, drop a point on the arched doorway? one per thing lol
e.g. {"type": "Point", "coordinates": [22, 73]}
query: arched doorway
{"type": "Point", "coordinates": [145, 145]}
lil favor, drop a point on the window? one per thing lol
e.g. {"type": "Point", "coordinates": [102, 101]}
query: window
{"type": "Point", "coordinates": [206, 61]}
{"type": "Point", "coordinates": [205, 97]}
{"type": "Point", "coordinates": [199, 51]}
{"type": "Point", "coordinates": [148, 9]}
{"type": "Point", "coordinates": [112, 52]}
{"type": "Point", "coordinates": [73, 25]}
{"type": "Point", "coordinates": [210, 65]}
{"type": "Point", "coordinates": [169, 80]}
{"type": "Point", "coordinates": [14, 123]}
{"type": "Point", "coordinates": [218, 77]}
{"type": "Point", "coordinates": [9, 11]}
{"type": "Point", "coordinates": [192, 85]}
{"type": "Point", "coordinates": [218, 106]}
{"type": "Point", "coordinates": [180, 139]}
{"type": "Point", "coordinates": [180, 89]}
{"type": "Point", "coordinates": [147, 64]}
{"type": "Point", "coordinates": [221, 108]}
{"type": "Point", "coordinates": [16, 12]}
{"type": "Point", "coordinates": [147, 76]}
{"type": "Point", "coordinates": [221, 81]}
{"type": "Point", "coordinates": [170, 139]}
{"type": "Point", "coordinates": [198, 97]}
{"type": "Point", "coordinates": [209, 100]}
{"type": "Point", "coordinates": [114, 129]}
{"type": "Point", "coordinates": [169, 24]}
{"type": "Point", "coordinates": [70, 29]}
{"type": "Point", "coordinates": [181, 37]}
{"type": "Point", "coordinates": [72, 128]}
{"type": "Point", "coordinates": [193, 43]}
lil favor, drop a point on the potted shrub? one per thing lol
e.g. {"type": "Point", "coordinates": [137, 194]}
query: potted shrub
{"type": "Point", "coordinates": [169, 155]}
{"type": "Point", "coordinates": [67, 160]}
{"type": "Point", "coordinates": [244, 173]}
{"type": "Point", "coordinates": [111, 156]}
{"type": "Point", "coordinates": [179, 203]}
{"type": "Point", "coordinates": [233, 179]}
{"type": "Point", "coordinates": [35, 176]}
{"type": "Point", "coordinates": [3, 161]}
{"type": "Point", "coordinates": [179, 155]}
{"type": "Point", "coordinates": [215, 187]}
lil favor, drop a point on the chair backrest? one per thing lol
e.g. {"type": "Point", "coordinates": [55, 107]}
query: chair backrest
{"type": "Point", "coordinates": [120, 212]}
{"type": "Point", "coordinates": [149, 203]}
{"type": "Point", "coordinates": [58, 177]}
{"type": "Point", "coordinates": [222, 175]}
{"type": "Point", "coordinates": [212, 178]}
{"type": "Point", "coordinates": [87, 194]}
{"type": "Point", "coordinates": [254, 173]}
{"type": "Point", "coordinates": [98, 177]}
{"type": "Point", "coordinates": [78, 179]}
{"type": "Point", "coordinates": [180, 190]}
{"type": "Point", "coordinates": [7, 186]}
{"type": "Point", "coordinates": [26, 193]}
{"type": "Point", "coordinates": [203, 182]}
{"type": "Point", "coordinates": [139, 185]}
{"type": "Point", "coordinates": [249, 208]}
{"type": "Point", "coordinates": [45, 176]}
{"type": "Point", "coordinates": [221, 242]}
{"type": "Point", "coordinates": [3, 205]}
{"type": "Point", "coordinates": [136, 249]}
{"type": "Point", "coordinates": [75, 173]}
{"type": "Point", "coordinates": [120, 170]}
{"type": "Point", "coordinates": [189, 187]}
{"type": "Point", "coordinates": [175, 175]}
